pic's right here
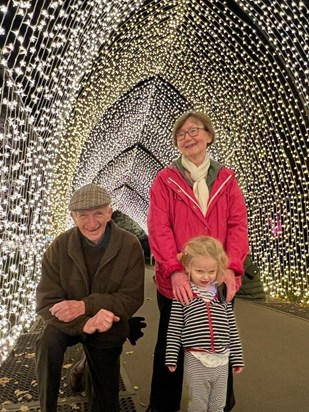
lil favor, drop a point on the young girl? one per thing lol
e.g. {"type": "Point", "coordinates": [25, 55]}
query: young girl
{"type": "Point", "coordinates": [206, 328]}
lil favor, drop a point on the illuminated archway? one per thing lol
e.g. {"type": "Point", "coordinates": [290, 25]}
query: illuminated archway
{"type": "Point", "coordinates": [76, 73]}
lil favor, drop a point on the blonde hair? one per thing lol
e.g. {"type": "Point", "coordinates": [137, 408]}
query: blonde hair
{"type": "Point", "coordinates": [204, 246]}
{"type": "Point", "coordinates": [200, 116]}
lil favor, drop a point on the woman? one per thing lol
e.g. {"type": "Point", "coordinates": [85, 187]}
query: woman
{"type": "Point", "coordinates": [193, 196]}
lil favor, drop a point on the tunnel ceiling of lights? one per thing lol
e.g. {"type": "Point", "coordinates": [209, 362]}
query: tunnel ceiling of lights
{"type": "Point", "coordinates": [90, 91]}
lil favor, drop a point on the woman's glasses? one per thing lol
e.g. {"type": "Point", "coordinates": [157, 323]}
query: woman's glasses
{"type": "Point", "coordinates": [191, 132]}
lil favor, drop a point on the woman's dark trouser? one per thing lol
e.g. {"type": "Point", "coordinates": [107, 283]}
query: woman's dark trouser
{"type": "Point", "coordinates": [230, 398]}
{"type": "Point", "coordinates": [166, 387]}
{"type": "Point", "coordinates": [104, 367]}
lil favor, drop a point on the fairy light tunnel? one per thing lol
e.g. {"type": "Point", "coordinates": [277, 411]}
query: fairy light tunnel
{"type": "Point", "coordinates": [90, 91]}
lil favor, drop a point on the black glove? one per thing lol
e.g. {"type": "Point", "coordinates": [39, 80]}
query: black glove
{"type": "Point", "coordinates": [136, 323]}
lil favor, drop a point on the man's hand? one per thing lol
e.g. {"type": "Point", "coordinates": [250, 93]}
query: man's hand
{"type": "Point", "coordinates": [230, 281]}
{"type": "Point", "coordinates": [100, 322]}
{"type": "Point", "coordinates": [68, 310]}
{"type": "Point", "coordinates": [181, 287]}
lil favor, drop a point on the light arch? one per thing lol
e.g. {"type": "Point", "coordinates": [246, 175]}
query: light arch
{"type": "Point", "coordinates": [66, 66]}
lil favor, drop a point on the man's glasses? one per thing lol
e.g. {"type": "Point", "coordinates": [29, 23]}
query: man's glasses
{"type": "Point", "coordinates": [191, 132]}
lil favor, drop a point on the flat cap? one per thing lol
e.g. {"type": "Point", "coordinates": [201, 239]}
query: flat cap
{"type": "Point", "coordinates": [89, 197]}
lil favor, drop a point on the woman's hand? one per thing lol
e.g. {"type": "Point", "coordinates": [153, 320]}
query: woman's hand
{"type": "Point", "coordinates": [230, 281]}
{"type": "Point", "coordinates": [181, 287]}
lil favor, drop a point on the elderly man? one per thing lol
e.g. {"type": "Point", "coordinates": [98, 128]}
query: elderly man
{"type": "Point", "coordinates": [92, 283]}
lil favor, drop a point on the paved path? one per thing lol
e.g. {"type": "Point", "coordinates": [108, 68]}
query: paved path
{"type": "Point", "coordinates": [276, 349]}
{"type": "Point", "coordinates": [275, 379]}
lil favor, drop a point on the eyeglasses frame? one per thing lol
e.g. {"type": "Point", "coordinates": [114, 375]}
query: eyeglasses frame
{"type": "Point", "coordinates": [182, 137]}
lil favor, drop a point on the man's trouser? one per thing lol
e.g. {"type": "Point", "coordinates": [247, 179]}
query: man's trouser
{"type": "Point", "coordinates": [104, 369]}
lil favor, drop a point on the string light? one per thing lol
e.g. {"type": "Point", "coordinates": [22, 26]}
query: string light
{"type": "Point", "coordinates": [90, 92]}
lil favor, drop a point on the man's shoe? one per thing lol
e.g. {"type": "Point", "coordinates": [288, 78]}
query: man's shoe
{"type": "Point", "coordinates": [77, 374]}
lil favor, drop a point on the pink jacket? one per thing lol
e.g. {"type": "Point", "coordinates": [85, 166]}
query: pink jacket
{"type": "Point", "coordinates": [175, 217]}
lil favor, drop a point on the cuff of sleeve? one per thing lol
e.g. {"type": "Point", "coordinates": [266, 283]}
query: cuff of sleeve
{"type": "Point", "coordinates": [87, 308]}
{"type": "Point", "coordinates": [237, 266]}
{"type": "Point", "coordinates": [173, 269]}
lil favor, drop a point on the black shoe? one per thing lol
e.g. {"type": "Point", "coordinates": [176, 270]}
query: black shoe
{"type": "Point", "coordinates": [77, 375]}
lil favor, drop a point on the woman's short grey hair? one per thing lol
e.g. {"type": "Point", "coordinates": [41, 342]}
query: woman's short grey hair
{"type": "Point", "coordinates": [202, 117]}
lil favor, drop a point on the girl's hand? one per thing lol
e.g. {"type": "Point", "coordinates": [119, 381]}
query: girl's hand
{"type": "Point", "coordinates": [172, 368]}
{"type": "Point", "coordinates": [237, 370]}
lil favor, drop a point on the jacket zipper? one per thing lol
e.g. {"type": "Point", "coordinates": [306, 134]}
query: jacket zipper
{"type": "Point", "coordinates": [211, 331]}
{"type": "Point", "coordinates": [216, 194]}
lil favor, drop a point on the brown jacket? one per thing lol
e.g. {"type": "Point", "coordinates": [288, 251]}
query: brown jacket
{"type": "Point", "coordinates": [118, 284]}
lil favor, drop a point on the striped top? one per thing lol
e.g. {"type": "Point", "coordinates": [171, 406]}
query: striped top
{"type": "Point", "coordinates": [205, 325]}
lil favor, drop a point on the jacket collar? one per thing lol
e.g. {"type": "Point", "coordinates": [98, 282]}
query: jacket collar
{"type": "Point", "coordinates": [221, 174]}
{"type": "Point", "coordinates": [112, 248]}
{"type": "Point", "coordinates": [213, 171]}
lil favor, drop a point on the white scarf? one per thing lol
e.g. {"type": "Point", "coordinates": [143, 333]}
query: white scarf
{"type": "Point", "coordinates": [198, 175]}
